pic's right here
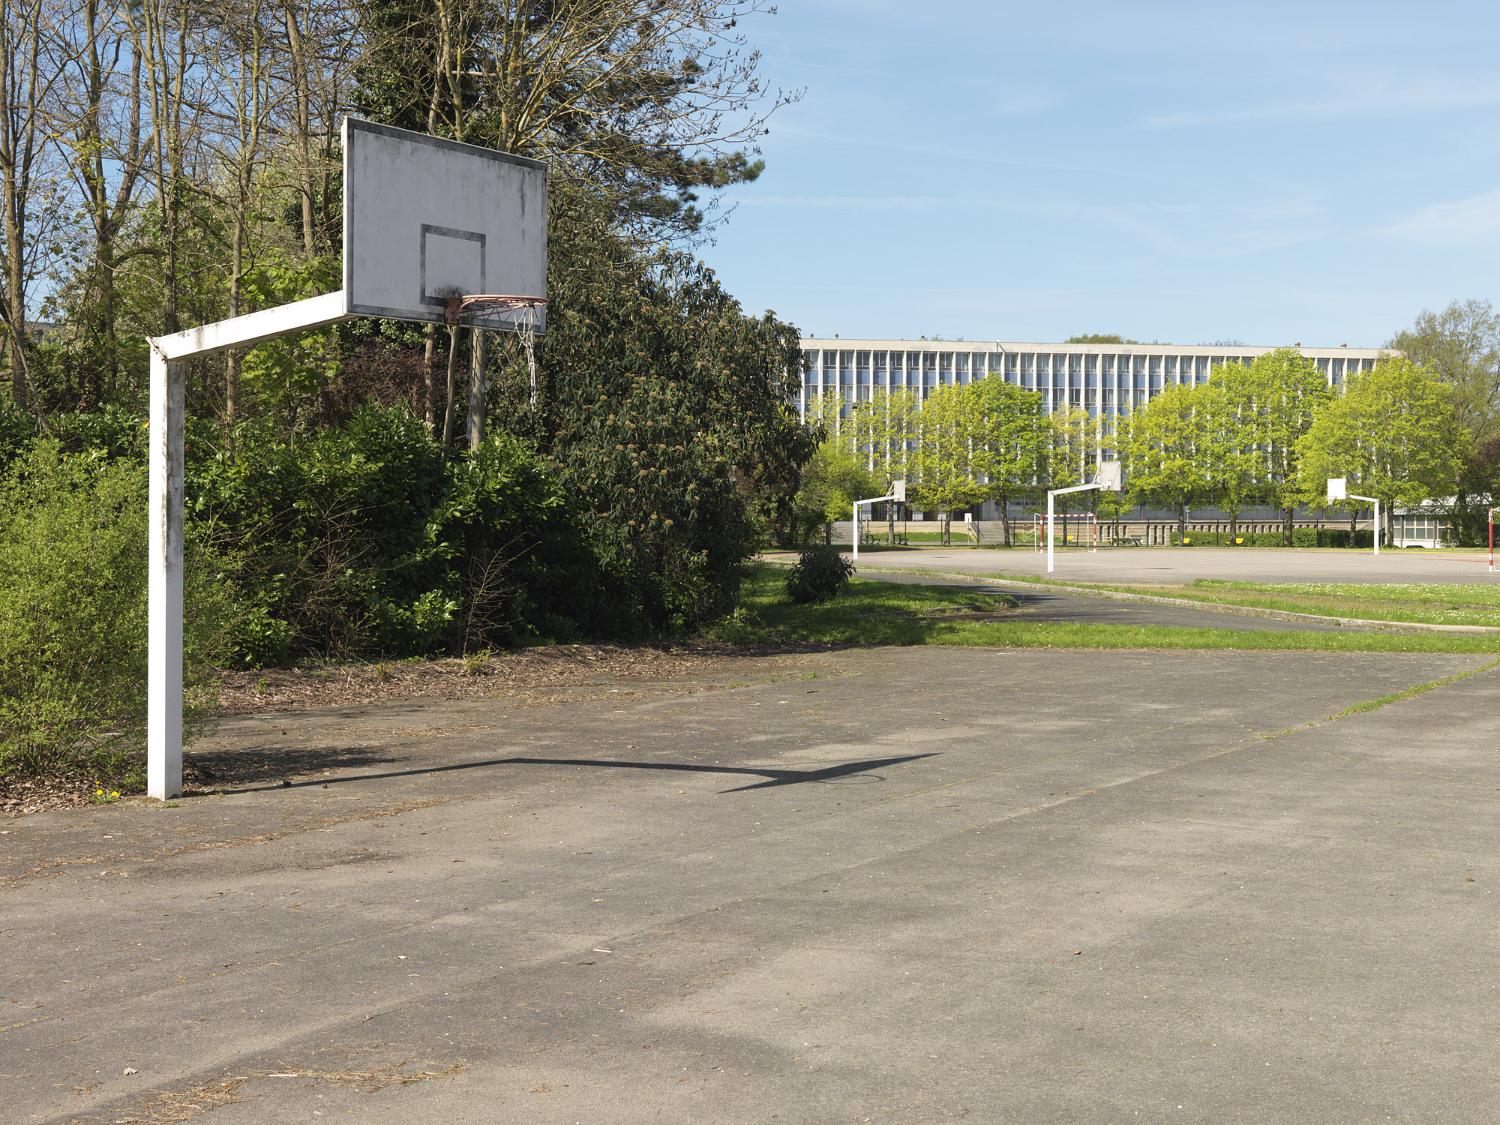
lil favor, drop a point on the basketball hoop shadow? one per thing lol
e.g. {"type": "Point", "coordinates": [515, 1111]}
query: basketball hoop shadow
{"type": "Point", "coordinates": [774, 777]}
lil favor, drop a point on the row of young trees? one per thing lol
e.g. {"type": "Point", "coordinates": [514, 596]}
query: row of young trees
{"type": "Point", "coordinates": [1270, 433]}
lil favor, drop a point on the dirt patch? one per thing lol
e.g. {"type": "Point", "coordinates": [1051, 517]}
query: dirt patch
{"type": "Point", "coordinates": [184, 1105]}
{"type": "Point", "coordinates": [19, 796]}
{"type": "Point", "coordinates": [502, 674]}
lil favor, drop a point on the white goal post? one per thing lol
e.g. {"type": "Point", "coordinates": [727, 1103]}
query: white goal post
{"type": "Point", "coordinates": [1107, 478]}
{"type": "Point", "coordinates": [1338, 489]}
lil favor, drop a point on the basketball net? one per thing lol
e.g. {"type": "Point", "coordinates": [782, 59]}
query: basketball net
{"type": "Point", "coordinates": [523, 323]}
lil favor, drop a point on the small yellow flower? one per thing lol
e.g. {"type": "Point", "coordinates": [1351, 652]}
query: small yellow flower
{"type": "Point", "coordinates": [114, 793]}
{"type": "Point", "coordinates": [98, 792]}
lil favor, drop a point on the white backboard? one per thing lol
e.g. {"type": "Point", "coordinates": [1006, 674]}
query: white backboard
{"type": "Point", "coordinates": [898, 491]}
{"type": "Point", "coordinates": [1338, 488]}
{"type": "Point", "coordinates": [426, 219]}
{"type": "Point", "coordinates": [1108, 476]}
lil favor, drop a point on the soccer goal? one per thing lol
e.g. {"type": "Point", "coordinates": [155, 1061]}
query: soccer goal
{"type": "Point", "coordinates": [1073, 529]}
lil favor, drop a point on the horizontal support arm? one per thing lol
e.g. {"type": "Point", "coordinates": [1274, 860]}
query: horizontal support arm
{"type": "Point", "coordinates": [252, 328]}
{"type": "Point", "coordinates": [1074, 488]}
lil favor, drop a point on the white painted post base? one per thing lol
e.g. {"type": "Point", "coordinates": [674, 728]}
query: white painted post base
{"type": "Point", "coordinates": [164, 583]}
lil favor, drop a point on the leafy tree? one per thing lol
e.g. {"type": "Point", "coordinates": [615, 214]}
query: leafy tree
{"type": "Point", "coordinates": [1289, 390]}
{"type": "Point", "coordinates": [1012, 440]}
{"type": "Point", "coordinates": [1159, 448]}
{"type": "Point", "coordinates": [882, 429]}
{"type": "Point", "coordinates": [946, 471]}
{"type": "Point", "coordinates": [1099, 338]}
{"type": "Point", "coordinates": [1394, 433]}
{"type": "Point", "coordinates": [665, 409]}
{"type": "Point", "coordinates": [1461, 346]}
{"type": "Point", "coordinates": [1228, 421]}
{"type": "Point", "coordinates": [647, 101]}
{"type": "Point", "coordinates": [833, 478]}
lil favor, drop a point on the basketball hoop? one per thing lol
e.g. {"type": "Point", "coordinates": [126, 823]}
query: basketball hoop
{"type": "Point", "coordinates": [521, 312]}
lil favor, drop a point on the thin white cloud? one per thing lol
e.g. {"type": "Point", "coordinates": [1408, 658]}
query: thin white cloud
{"type": "Point", "coordinates": [1353, 96]}
{"type": "Point", "coordinates": [1457, 224]}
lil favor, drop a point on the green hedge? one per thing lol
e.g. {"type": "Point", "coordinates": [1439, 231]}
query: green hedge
{"type": "Point", "coordinates": [1301, 537]}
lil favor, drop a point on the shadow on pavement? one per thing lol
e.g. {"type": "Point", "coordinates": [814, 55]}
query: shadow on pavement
{"type": "Point", "coordinates": [774, 777]}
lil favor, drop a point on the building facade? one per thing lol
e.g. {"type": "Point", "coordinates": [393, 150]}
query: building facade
{"type": "Point", "coordinates": [1104, 379]}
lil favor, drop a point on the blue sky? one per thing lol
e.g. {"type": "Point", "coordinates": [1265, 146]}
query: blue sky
{"type": "Point", "coordinates": [1262, 172]}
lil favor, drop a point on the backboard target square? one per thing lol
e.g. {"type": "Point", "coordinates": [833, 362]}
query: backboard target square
{"type": "Point", "coordinates": [452, 264]}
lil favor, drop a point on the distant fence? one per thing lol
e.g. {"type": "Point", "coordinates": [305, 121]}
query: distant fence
{"type": "Point", "coordinates": [1135, 532]}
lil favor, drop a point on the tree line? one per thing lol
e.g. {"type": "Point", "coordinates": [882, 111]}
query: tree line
{"type": "Point", "coordinates": [1269, 433]}
{"type": "Point", "coordinates": [167, 163]}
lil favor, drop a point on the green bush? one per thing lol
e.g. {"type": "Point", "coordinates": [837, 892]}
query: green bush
{"type": "Point", "coordinates": [73, 618]}
{"type": "Point", "coordinates": [329, 537]}
{"type": "Point", "coordinates": [1301, 537]}
{"type": "Point", "coordinates": [820, 574]}
{"type": "Point", "coordinates": [363, 540]}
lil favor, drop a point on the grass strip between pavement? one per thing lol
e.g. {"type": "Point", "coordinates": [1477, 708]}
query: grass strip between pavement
{"type": "Point", "coordinates": [872, 612]}
{"type": "Point", "coordinates": [1465, 605]}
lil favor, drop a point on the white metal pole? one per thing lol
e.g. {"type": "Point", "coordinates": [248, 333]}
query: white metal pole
{"type": "Point", "coordinates": [1050, 499]}
{"type": "Point", "coordinates": [1376, 537]}
{"type": "Point", "coordinates": [164, 583]}
{"type": "Point", "coordinates": [855, 527]}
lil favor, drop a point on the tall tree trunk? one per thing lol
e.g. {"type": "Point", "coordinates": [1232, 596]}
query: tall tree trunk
{"type": "Point", "coordinates": [302, 116]}
{"type": "Point", "coordinates": [429, 378]}
{"type": "Point", "coordinates": [15, 297]}
{"type": "Point", "coordinates": [478, 360]}
{"type": "Point", "coordinates": [447, 437]}
{"type": "Point", "coordinates": [1005, 534]}
{"type": "Point", "coordinates": [1181, 521]}
{"type": "Point", "coordinates": [232, 359]}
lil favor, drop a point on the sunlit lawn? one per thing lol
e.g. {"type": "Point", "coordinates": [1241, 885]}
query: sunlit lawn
{"type": "Point", "coordinates": [884, 613]}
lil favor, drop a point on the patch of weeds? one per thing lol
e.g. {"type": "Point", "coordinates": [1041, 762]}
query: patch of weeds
{"type": "Point", "coordinates": [477, 663]}
{"type": "Point", "coordinates": [742, 627]}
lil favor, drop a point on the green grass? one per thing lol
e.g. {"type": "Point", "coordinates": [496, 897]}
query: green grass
{"type": "Point", "coordinates": [1475, 603]}
{"type": "Point", "coordinates": [1411, 692]}
{"type": "Point", "coordinates": [1429, 603]}
{"type": "Point", "coordinates": [885, 613]}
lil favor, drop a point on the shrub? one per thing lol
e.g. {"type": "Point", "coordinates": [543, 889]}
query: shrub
{"type": "Point", "coordinates": [820, 574]}
{"type": "Point", "coordinates": [73, 618]}
{"type": "Point", "coordinates": [362, 540]}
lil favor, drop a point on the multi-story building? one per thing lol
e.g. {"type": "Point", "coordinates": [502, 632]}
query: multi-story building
{"type": "Point", "coordinates": [1104, 379]}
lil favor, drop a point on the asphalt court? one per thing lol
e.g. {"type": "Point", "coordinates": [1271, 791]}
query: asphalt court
{"type": "Point", "coordinates": [890, 885]}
